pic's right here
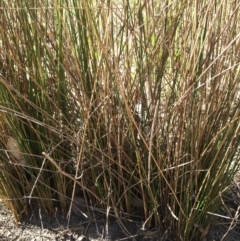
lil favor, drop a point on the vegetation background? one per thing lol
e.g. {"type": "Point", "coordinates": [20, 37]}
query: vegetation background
{"type": "Point", "coordinates": [131, 105]}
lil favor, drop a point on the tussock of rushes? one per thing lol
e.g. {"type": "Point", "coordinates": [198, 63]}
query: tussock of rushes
{"type": "Point", "coordinates": [139, 101]}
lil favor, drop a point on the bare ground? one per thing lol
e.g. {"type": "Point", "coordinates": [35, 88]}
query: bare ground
{"type": "Point", "coordinates": [42, 227]}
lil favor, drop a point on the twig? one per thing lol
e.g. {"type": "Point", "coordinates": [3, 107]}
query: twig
{"type": "Point", "coordinates": [233, 223]}
{"type": "Point", "coordinates": [40, 216]}
{"type": "Point", "coordinates": [151, 142]}
{"type": "Point", "coordinates": [35, 183]}
{"type": "Point", "coordinates": [70, 177]}
{"type": "Point", "coordinates": [40, 171]}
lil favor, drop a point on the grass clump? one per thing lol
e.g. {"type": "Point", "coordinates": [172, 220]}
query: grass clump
{"type": "Point", "coordinates": [135, 104]}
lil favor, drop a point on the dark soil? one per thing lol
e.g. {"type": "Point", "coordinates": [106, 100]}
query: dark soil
{"type": "Point", "coordinates": [39, 226]}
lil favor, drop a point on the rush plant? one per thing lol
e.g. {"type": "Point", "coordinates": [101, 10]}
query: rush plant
{"type": "Point", "coordinates": [132, 104]}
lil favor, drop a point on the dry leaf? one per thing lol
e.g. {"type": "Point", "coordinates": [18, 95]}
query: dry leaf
{"type": "Point", "coordinates": [13, 148]}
